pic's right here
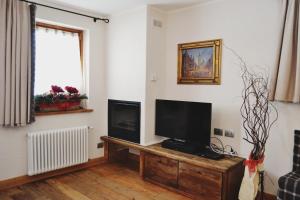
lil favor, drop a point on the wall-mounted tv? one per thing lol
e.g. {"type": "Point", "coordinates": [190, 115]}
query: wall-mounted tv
{"type": "Point", "coordinates": [183, 120]}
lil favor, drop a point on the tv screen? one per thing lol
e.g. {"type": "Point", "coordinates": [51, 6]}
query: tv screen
{"type": "Point", "coordinates": [189, 121]}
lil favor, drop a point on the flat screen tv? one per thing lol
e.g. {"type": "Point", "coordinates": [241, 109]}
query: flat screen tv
{"type": "Point", "coordinates": [188, 121]}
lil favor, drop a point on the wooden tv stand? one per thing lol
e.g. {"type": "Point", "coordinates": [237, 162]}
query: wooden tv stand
{"type": "Point", "coordinates": [190, 175]}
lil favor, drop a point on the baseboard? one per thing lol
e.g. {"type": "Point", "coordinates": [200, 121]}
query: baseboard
{"type": "Point", "coordinates": [21, 180]}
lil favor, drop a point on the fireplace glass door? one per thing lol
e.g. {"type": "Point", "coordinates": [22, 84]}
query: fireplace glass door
{"type": "Point", "coordinates": [124, 120]}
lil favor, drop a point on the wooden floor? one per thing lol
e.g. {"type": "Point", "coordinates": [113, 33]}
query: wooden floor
{"type": "Point", "coordinates": [107, 181]}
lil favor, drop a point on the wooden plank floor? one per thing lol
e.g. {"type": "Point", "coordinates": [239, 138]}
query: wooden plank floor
{"type": "Point", "coordinates": [107, 181]}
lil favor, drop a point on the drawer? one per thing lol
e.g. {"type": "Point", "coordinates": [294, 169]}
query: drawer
{"type": "Point", "coordinates": [199, 182]}
{"type": "Point", "coordinates": [161, 170]}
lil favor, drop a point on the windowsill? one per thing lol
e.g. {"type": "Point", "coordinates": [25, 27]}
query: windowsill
{"type": "Point", "coordinates": [63, 112]}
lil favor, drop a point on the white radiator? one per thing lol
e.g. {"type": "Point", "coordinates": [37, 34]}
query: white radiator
{"type": "Point", "coordinates": [54, 149]}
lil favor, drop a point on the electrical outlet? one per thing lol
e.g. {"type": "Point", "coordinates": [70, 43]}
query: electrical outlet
{"type": "Point", "coordinates": [100, 145]}
{"type": "Point", "coordinates": [229, 134]}
{"type": "Point", "coordinates": [218, 131]}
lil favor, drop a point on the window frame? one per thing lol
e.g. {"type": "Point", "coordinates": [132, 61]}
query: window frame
{"type": "Point", "coordinates": [66, 29]}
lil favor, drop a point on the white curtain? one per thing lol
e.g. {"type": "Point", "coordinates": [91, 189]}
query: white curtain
{"type": "Point", "coordinates": [57, 60]}
{"type": "Point", "coordinates": [286, 78]}
{"type": "Point", "coordinates": [15, 63]}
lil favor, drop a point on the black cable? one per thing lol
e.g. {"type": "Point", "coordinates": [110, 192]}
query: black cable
{"type": "Point", "coordinates": [214, 146]}
{"type": "Point", "coordinates": [68, 11]}
{"type": "Point", "coordinates": [222, 149]}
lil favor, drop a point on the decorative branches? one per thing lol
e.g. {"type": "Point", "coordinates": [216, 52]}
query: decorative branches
{"type": "Point", "coordinates": [256, 110]}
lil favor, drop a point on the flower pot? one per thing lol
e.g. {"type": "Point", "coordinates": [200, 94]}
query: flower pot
{"type": "Point", "coordinates": [59, 106]}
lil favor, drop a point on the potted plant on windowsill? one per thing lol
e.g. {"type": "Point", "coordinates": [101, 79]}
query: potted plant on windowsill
{"type": "Point", "coordinates": [59, 100]}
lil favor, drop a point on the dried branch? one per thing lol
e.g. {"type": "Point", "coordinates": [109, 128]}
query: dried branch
{"type": "Point", "coordinates": [256, 109]}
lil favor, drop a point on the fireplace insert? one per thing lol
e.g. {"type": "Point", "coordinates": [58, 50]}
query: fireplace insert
{"type": "Point", "coordinates": [124, 120]}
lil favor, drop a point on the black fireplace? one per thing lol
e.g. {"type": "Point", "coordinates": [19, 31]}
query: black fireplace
{"type": "Point", "coordinates": [124, 120]}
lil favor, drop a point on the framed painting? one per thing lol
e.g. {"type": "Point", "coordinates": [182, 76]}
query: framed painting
{"type": "Point", "coordinates": [200, 62]}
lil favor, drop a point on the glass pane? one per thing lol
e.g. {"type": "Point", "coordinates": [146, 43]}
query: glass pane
{"type": "Point", "coordinates": [57, 60]}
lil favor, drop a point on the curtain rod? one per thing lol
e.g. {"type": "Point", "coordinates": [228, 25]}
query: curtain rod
{"type": "Point", "coordinates": [75, 13]}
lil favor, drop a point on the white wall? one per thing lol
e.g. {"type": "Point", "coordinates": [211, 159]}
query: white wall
{"type": "Point", "coordinates": [136, 62]}
{"type": "Point", "coordinates": [13, 141]}
{"type": "Point", "coordinates": [126, 58]}
{"type": "Point", "coordinates": [155, 76]}
{"type": "Point", "coordinates": [251, 28]}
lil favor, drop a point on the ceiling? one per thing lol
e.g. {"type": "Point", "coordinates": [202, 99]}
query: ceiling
{"type": "Point", "coordinates": [113, 6]}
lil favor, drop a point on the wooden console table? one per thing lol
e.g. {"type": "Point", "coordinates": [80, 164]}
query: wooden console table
{"type": "Point", "coordinates": [193, 176]}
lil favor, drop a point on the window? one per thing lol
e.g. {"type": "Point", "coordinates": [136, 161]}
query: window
{"type": "Point", "coordinates": [59, 57]}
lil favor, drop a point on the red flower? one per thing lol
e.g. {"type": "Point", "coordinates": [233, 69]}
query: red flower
{"type": "Point", "coordinates": [71, 90]}
{"type": "Point", "coordinates": [56, 89]}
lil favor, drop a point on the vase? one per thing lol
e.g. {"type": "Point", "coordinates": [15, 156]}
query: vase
{"type": "Point", "coordinates": [251, 180]}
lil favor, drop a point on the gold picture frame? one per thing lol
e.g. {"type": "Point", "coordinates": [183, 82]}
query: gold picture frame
{"type": "Point", "coordinates": [200, 62]}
